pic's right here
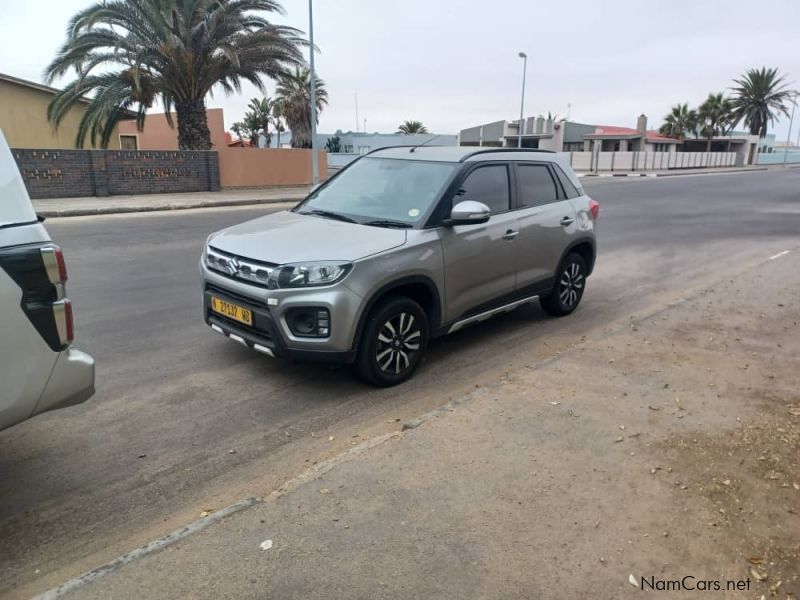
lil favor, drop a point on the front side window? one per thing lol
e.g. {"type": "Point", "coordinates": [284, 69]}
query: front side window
{"type": "Point", "coordinates": [373, 189]}
{"type": "Point", "coordinates": [536, 185]}
{"type": "Point", "coordinates": [488, 185]}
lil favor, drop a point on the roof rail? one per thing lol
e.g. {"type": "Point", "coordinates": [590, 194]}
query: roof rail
{"type": "Point", "coordinates": [389, 148]}
{"type": "Point", "coordinates": [501, 150]}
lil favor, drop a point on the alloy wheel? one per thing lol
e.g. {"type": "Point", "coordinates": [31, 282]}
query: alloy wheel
{"type": "Point", "coordinates": [399, 341]}
{"type": "Point", "coordinates": [570, 285]}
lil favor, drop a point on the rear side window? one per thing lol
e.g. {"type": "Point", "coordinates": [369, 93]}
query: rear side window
{"type": "Point", "coordinates": [536, 185]}
{"type": "Point", "coordinates": [488, 185]}
{"type": "Point", "coordinates": [570, 190]}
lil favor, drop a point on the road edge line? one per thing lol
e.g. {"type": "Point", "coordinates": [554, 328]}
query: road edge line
{"type": "Point", "coordinates": [198, 525]}
{"type": "Point", "coordinates": [149, 548]}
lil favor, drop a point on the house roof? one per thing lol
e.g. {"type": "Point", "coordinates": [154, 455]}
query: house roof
{"type": "Point", "coordinates": [614, 132]}
{"type": "Point", "coordinates": [49, 90]}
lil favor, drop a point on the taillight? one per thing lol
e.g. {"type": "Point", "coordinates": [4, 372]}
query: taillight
{"type": "Point", "coordinates": [62, 313]}
{"type": "Point", "coordinates": [56, 269]}
{"type": "Point", "coordinates": [594, 208]}
{"type": "Point", "coordinates": [53, 260]}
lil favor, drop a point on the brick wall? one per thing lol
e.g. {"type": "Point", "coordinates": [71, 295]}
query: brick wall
{"type": "Point", "coordinates": [71, 173]}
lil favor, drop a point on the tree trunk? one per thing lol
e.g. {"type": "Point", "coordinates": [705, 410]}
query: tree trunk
{"type": "Point", "coordinates": [301, 131]}
{"type": "Point", "coordinates": [193, 133]}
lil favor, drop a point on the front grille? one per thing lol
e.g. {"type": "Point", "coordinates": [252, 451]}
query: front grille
{"type": "Point", "coordinates": [240, 268]}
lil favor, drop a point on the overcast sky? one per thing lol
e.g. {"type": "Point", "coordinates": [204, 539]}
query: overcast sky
{"type": "Point", "coordinates": [453, 63]}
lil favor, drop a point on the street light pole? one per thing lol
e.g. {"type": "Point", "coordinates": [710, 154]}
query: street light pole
{"type": "Point", "coordinates": [314, 164]}
{"type": "Point", "coordinates": [789, 135]}
{"type": "Point", "coordinates": [524, 58]}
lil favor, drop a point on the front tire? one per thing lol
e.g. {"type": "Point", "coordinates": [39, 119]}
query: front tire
{"type": "Point", "coordinates": [568, 289]}
{"type": "Point", "coordinates": [394, 340]}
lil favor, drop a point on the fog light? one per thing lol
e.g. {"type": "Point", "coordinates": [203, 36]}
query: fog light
{"type": "Point", "coordinates": [309, 322]}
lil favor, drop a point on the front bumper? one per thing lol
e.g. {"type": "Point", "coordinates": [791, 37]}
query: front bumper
{"type": "Point", "coordinates": [270, 335]}
{"type": "Point", "coordinates": [71, 381]}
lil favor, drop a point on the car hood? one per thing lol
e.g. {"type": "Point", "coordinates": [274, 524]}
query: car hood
{"type": "Point", "coordinates": [286, 237]}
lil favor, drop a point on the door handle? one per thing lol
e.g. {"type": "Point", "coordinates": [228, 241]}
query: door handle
{"type": "Point", "coordinates": [566, 221]}
{"type": "Point", "coordinates": [510, 234]}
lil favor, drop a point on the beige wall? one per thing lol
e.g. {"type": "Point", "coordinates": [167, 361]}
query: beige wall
{"type": "Point", "coordinates": [255, 167]}
{"type": "Point", "coordinates": [23, 119]}
{"type": "Point", "coordinates": [158, 135]}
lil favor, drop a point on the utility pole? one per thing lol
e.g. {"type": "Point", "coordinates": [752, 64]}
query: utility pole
{"type": "Point", "coordinates": [314, 158]}
{"type": "Point", "coordinates": [524, 58]}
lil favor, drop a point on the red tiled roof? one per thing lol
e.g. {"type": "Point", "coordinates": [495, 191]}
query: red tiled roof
{"type": "Point", "coordinates": [613, 130]}
{"type": "Point", "coordinates": [654, 136]}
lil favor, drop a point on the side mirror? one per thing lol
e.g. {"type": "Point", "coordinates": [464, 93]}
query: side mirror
{"type": "Point", "coordinates": [469, 212]}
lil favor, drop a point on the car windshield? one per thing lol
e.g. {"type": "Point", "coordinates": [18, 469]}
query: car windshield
{"type": "Point", "coordinates": [381, 190]}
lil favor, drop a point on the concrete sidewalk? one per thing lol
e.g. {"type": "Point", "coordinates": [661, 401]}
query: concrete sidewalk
{"type": "Point", "coordinates": [666, 447]}
{"type": "Point", "coordinates": [72, 207]}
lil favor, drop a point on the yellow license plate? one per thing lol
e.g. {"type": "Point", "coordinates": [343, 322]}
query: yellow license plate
{"type": "Point", "coordinates": [232, 311]}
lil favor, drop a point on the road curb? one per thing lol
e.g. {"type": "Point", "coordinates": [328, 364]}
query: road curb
{"type": "Point", "coordinates": [116, 210]}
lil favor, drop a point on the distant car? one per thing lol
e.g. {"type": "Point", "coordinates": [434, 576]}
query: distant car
{"type": "Point", "coordinates": [402, 245]}
{"type": "Point", "coordinates": [39, 368]}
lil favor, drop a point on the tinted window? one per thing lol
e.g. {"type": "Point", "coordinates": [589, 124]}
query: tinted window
{"type": "Point", "coordinates": [570, 190]}
{"type": "Point", "coordinates": [488, 185]}
{"type": "Point", "coordinates": [536, 186]}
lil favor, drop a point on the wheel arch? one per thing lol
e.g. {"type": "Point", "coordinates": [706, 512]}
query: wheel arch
{"type": "Point", "coordinates": [419, 288]}
{"type": "Point", "coordinates": [586, 247]}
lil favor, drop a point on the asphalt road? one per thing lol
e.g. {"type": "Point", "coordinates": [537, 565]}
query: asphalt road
{"type": "Point", "coordinates": [185, 421]}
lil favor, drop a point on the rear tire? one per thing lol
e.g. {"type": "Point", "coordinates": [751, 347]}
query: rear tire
{"type": "Point", "coordinates": [568, 289]}
{"type": "Point", "coordinates": [394, 339]}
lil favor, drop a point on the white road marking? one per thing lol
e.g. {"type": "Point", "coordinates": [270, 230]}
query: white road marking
{"type": "Point", "coordinates": [171, 538]}
{"type": "Point", "coordinates": [779, 254]}
{"type": "Point", "coordinates": [142, 551]}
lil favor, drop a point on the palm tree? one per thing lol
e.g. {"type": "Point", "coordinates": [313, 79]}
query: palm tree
{"type": "Point", "coordinates": [247, 128]}
{"type": "Point", "coordinates": [759, 98]}
{"type": "Point", "coordinates": [128, 53]}
{"type": "Point", "coordinates": [261, 116]}
{"type": "Point", "coordinates": [715, 116]}
{"type": "Point", "coordinates": [680, 121]}
{"type": "Point", "coordinates": [294, 102]}
{"type": "Point", "coordinates": [276, 120]}
{"type": "Point", "coordinates": [407, 127]}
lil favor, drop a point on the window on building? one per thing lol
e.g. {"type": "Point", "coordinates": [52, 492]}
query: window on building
{"type": "Point", "coordinates": [573, 146]}
{"type": "Point", "coordinates": [348, 148]}
{"type": "Point", "coordinates": [536, 185]}
{"type": "Point", "coordinates": [488, 185]}
{"type": "Point", "coordinates": [128, 142]}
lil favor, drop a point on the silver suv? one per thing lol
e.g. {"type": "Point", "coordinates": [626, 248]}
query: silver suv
{"type": "Point", "coordinates": [403, 245]}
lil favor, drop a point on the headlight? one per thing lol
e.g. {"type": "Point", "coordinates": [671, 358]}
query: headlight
{"type": "Point", "coordinates": [308, 274]}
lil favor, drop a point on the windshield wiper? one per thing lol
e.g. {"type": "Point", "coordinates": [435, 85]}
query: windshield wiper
{"type": "Point", "coordinates": [388, 223]}
{"type": "Point", "coordinates": [330, 215]}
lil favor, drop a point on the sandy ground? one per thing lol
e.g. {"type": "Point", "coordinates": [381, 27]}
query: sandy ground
{"type": "Point", "coordinates": [666, 448]}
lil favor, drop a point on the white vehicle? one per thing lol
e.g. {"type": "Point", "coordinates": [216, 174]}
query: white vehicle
{"type": "Point", "coordinates": [39, 370]}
